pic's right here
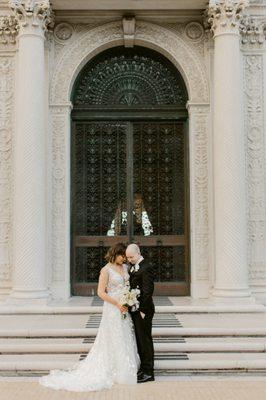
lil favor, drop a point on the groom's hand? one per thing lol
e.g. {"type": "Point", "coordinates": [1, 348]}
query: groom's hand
{"type": "Point", "coordinates": [142, 314]}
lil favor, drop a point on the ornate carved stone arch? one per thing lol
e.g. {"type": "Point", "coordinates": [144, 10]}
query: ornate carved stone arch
{"type": "Point", "coordinates": [129, 77]}
{"type": "Point", "coordinates": [73, 57]}
{"type": "Point", "coordinates": [169, 43]}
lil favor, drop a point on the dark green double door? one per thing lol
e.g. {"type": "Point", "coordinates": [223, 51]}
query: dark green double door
{"type": "Point", "coordinates": [129, 184]}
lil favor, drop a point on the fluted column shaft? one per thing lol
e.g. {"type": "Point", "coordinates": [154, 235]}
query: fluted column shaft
{"type": "Point", "coordinates": [231, 273]}
{"type": "Point", "coordinates": [29, 276]}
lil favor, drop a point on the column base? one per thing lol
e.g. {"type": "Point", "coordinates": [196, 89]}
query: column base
{"type": "Point", "coordinates": [200, 289]}
{"type": "Point", "coordinates": [28, 297]}
{"type": "Point", "coordinates": [4, 292]}
{"type": "Point", "coordinates": [232, 296]}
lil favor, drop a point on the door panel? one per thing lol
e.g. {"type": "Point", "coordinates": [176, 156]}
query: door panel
{"type": "Point", "coordinates": [128, 184]}
{"type": "Point", "coordinates": [100, 178]}
{"type": "Point", "coordinates": [159, 210]}
{"type": "Point", "coordinates": [98, 194]}
{"type": "Point", "coordinates": [159, 178]}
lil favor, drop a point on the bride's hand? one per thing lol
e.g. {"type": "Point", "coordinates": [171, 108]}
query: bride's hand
{"type": "Point", "coordinates": [122, 309]}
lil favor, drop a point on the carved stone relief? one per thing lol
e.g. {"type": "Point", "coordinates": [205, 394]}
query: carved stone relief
{"type": "Point", "coordinates": [6, 127]}
{"type": "Point", "coordinates": [255, 164]}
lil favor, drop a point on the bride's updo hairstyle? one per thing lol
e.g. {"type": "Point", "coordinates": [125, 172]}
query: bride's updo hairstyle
{"type": "Point", "coordinates": [118, 249]}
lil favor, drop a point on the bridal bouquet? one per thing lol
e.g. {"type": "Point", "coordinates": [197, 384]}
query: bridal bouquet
{"type": "Point", "coordinates": [129, 298]}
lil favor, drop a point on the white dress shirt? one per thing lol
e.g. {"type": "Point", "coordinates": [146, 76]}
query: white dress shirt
{"type": "Point", "coordinates": [135, 267]}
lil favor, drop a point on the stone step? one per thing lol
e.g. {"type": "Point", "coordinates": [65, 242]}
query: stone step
{"type": "Point", "coordinates": [185, 347]}
{"type": "Point", "coordinates": [164, 320]}
{"type": "Point", "coordinates": [39, 363]}
{"type": "Point", "coordinates": [182, 309]}
{"type": "Point", "coordinates": [189, 320]}
{"type": "Point", "coordinates": [179, 331]}
{"type": "Point", "coordinates": [157, 339]}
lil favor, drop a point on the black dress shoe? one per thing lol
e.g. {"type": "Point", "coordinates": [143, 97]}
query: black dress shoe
{"type": "Point", "coordinates": [145, 378]}
{"type": "Point", "coordinates": [139, 374]}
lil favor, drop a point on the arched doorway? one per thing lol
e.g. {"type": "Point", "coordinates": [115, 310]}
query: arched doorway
{"type": "Point", "coordinates": [129, 166]}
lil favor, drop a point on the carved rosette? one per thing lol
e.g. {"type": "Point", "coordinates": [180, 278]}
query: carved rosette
{"type": "Point", "coordinates": [63, 32]}
{"type": "Point", "coordinates": [224, 16]}
{"type": "Point", "coordinates": [33, 13]}
{"type": "Point", "coordinates": [194, 31]}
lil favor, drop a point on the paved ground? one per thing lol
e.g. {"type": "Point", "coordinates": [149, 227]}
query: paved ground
{"type": "Point", "coordinates": [183, 388]}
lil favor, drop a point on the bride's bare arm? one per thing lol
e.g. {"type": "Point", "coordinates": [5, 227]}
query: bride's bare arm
{"type": "Point", "coordinates": [103, 281]}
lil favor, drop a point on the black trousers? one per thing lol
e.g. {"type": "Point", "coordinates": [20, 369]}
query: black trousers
{"type": "Point", "coordinates": [143, 328]}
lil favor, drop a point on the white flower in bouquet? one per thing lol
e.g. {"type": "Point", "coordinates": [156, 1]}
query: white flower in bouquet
{"type": "Point", "coordinates": [129, 298]}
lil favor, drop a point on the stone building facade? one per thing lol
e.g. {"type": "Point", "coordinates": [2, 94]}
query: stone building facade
{"type": "Point", "coordinates": [220, 51]}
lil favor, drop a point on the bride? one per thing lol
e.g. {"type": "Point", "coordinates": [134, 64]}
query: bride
{"type": "Point", "coordinates": [113, 357]}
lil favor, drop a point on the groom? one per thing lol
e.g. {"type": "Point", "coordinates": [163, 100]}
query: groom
{"type": "Point", "coordinates": [141, 276]}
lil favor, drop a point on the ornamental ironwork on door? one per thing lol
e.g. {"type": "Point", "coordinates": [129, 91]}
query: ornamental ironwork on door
{"type": "Point", "coordinates": [130, 167]}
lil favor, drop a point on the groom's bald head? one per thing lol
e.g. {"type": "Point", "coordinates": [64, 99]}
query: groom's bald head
{"type": "Point", "coordinates": [133, 253]}
{"type": "Point", "coordinates": [133, 248]}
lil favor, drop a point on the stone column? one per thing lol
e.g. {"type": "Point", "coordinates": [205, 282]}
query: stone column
{"type": "Point", "coordinates": [29, 224]}
{"type": "Point", "coordinates": [231, 271]}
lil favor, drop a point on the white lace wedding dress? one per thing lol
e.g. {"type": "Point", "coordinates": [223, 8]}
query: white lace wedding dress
{"type": "Point", "coordinates": [113, 357]}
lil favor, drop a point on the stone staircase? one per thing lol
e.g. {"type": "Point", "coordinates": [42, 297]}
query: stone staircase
{"type": "Point", "coordinates": [187, 338]}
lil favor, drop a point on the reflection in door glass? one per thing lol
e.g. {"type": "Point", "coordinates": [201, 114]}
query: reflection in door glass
{"type": "Point", "coordinates": [141, 222]}
{"type": "Point", "coordinates": [119, 222]}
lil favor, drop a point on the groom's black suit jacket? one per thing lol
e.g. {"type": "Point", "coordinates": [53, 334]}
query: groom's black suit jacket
{"type": "Point", "coordinates": [144, 280]}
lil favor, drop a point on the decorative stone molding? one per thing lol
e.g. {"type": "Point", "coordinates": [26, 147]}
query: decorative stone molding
{"type": "Point", "coordinates": [6, 127]}
{"type": "Point", "coordinates": [9, 28]}
{"type": "Point", "coordinates": [60, 235]}
{"type": "Point", "coordinates": [253, 30]}
{"type": "Point", "coordinates": [33, 12]}
{"type": "Point", "coordinates": [224, 16]}
{"type": "Point", "coordinates": [63, 32]}
{"type": "Point", "coordinates": [70, 61]}
{"type": "Point", "coordinates": [173, 46]}
{"type": "Point", "coordinates": [255, 164]}
{"type": "Point", "coordinates": [129, 28]}
{"type": "Point", "coordinates": [199, 180]}
{"type": "Point", "coordinates": [257, 2]}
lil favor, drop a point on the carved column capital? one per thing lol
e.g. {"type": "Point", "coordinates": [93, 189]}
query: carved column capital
{"type": "Point", "coordinates": [34, 13]}
{"type": "Point", "coordinates": [224, 16]}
